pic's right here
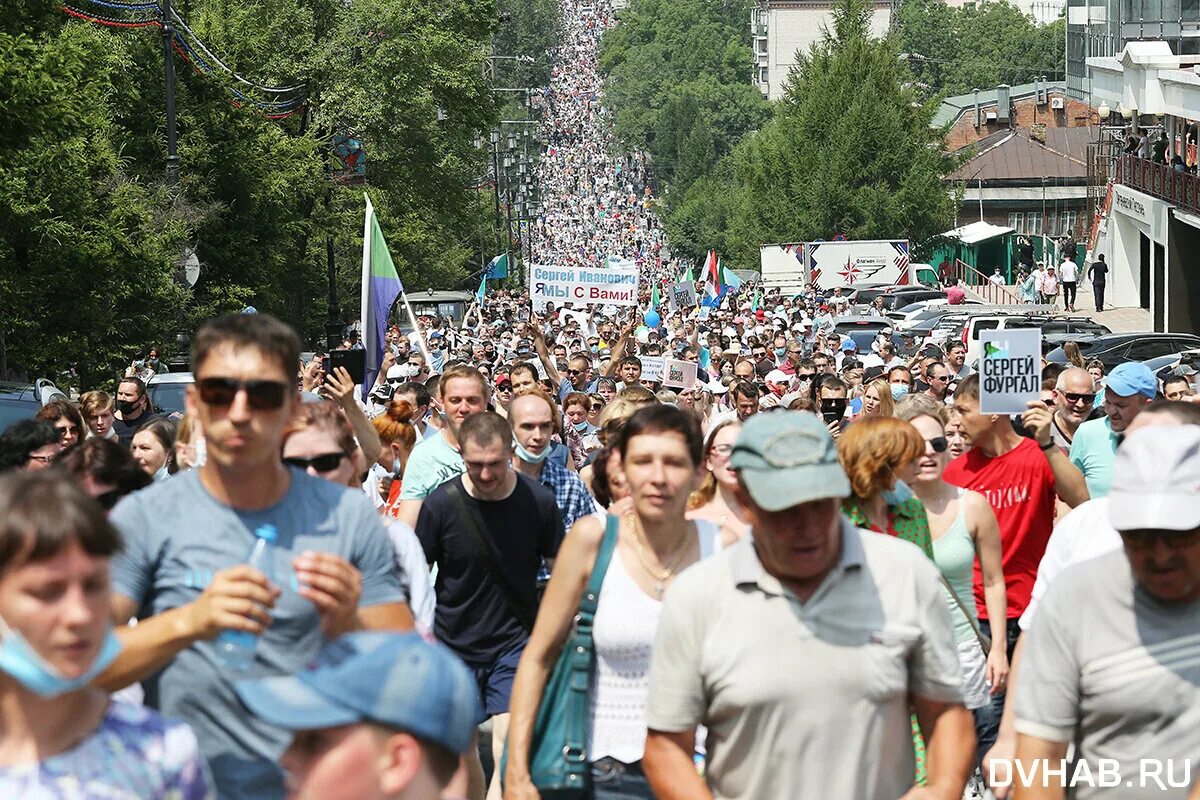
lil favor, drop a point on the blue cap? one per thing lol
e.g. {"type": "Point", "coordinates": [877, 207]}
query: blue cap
{"type": "Point", "coordinates": [786, 458]}
{"type": "Point", "coordinates": [849, 344]}
{"type": "Point", "coordinates": [397, 680]}
{"type": "Point", "coordinates": [1132, 378]}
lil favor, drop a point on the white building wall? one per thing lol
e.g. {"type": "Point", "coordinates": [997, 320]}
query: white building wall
{"type": "Point", "coordinates": [795, 26]}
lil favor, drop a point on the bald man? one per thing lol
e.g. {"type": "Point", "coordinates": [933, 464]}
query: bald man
{"type": "Point", "coordinates": [1074, 397]}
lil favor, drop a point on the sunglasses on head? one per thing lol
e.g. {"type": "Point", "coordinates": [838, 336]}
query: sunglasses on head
{"type": "Point", "coordinates": [261, 395]}
{"type": "Point", "coordinates": [326, 462]}
{"type": "Point", "coordinates": [939, 444]}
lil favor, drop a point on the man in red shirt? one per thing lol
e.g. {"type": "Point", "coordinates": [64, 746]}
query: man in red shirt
{"type": "Point", "coordinates": [1019, 477]}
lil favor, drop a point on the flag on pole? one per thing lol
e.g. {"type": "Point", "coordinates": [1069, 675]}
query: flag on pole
{"type": "Point", "coordinates": [729, 280]}
{"type": "Point", "coordinates": [712, 269]}
{"type": "Point", "coordinates": [757, 299]}
{"type": "Point", "coordinates": [380, 287]}
{"type": "Point", "coordinates": [482, 288]}
{"type": "Point", "coordinates": [497, 268]}
{"type": "Point", "coordinates": [654, 298]}
{"type": "Point", "coordinates": [687, 275]}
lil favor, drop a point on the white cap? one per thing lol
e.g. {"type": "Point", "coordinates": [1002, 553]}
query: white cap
{"type": "Point", "coordinates": [1156, 480]}
{"type": "Point", "coordinates": [401, 371]}
{"type": "Point", "coordinates": [778, 376]}
{"type": "Point", "coordinates": [716, 387]}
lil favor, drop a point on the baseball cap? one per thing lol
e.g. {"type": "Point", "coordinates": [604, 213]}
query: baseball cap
{"type": "Point", "coordinates": [1183, 371]}
{"type": "Point", "coordinates": [401, 372]}
{"type": "Point", "coordinates": [848, 345]}
{"type": "Point", "coordinates": [787, 458]}
{"type": "Point", "coordinates": [503, 378]}
{"type": "Point", "coordinates": [1156, 480]}
{"type": "Point", "coordinates": [778, 376]}
{"type": "Point", "coordinates": [397, 680]}
{"type": "Point", "coordinates": [1132, 378]}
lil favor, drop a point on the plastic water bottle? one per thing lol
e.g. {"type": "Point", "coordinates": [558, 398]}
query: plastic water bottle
{"type": "Point", "coordinates": [235, 649]}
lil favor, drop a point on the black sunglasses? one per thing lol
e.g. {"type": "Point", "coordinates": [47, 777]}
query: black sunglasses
{"type": "Point", "coordinates": [1176, 540]}
{"type": "Point", "coordinates": [261, 395]}
{"type": "Point", "coordinates": [1079, 397]}
{"type": "Point", "coordinates": [327, 462]}
{"type": "Point", "coordinates": [939, 444]}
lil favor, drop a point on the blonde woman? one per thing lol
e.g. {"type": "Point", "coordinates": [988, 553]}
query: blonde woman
{"type": "Point", "coordinates": [877, 400]}
{"type": "Point", "coordinates": [715, 500]}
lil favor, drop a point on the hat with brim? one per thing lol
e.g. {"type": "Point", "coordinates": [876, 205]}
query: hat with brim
{"type": "Point", "coordinates": [287, 702]}
{"type": "Point", "coordinates": [1132, 378]}
{"type": "Point", "coordinates": [787, 458]}
{"type": "Point", "coordinates": [1156, 480]}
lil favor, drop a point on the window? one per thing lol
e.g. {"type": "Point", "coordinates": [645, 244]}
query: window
{"type": "Point", "coordinates": [1069, 219]}
{"type": "Point", "coordinates": [1033, 223]}
{"type": "Point", "coordinates": [1016, 221]}
{"type": "Point", "coordinates": [1052, 223]}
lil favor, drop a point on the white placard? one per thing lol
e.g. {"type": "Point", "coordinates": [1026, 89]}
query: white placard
{"type": "Point", "coordinates": [582, 285]}
{"type": "Point", "coordinates": [652, 367]}
{"type": "Point", "coordinates": [683, 295]}
{"type": "Point", "coordinates": [1010, 370]}
{"type": "Point", "coordinates": [679, 374]}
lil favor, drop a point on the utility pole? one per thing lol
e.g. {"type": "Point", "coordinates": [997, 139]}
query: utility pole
{"type": "Point", "coordinates": [169, 67]}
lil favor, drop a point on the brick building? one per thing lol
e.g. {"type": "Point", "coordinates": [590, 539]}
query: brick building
{"type": "Point", "coordinates": [977, 115]}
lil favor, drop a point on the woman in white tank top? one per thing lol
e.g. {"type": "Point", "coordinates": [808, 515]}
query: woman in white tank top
{"type": "Point", "coordinates": [661, 451]}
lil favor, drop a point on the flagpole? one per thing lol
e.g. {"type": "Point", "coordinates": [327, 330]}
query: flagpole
{"type": "Point", "coordinates": [366, 271]}
{"type": "Point", "coordinates": [420, 334]}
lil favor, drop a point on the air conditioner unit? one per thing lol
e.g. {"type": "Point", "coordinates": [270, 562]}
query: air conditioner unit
{"type": "Point", "coordinates": [991, 116]}
{"type": "Point", "coordinates": [1057, 102]}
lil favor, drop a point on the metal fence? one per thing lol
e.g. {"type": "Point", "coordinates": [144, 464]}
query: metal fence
{"type": "Point", "coordinates": [1161, 181]}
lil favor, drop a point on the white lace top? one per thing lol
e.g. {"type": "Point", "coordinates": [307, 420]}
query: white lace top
{"type": "Point", "coordinates": [625, 625]}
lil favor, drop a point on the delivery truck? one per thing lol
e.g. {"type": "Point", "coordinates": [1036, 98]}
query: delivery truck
{"type": "Point", "coordinates": [880, 262]}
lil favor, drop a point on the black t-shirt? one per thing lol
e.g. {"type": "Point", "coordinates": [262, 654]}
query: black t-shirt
{"type": "Point", "coordinates": [126, 430]}
{"type": "Point", "coordinates": [1099, 272]}
{"type": "Point", "coordinates": [473, 619]}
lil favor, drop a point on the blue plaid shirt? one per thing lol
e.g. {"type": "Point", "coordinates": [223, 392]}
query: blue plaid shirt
{"type": "Point", "coordinates": [572, 496]}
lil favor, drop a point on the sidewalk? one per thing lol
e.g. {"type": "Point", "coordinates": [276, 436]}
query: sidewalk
{"type": "Point", "coordinates": [1119, 320]}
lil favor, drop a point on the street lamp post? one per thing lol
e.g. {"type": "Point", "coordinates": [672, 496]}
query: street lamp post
{"type": "Point", "coordinates": [168, 32]}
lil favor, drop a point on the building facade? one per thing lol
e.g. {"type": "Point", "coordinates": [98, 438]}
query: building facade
{"type": "Point", "coordinates": [780, 29]}
{"type": "Point", "coordinates": [1149, 225]}
{"type": "Point", "coordinates": [1102, 28]}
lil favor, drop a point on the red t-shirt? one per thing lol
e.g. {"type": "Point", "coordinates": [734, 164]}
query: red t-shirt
{"type": "Point", "coordinates": [1019, 485]}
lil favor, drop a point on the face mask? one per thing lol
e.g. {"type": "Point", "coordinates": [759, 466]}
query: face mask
{"type": "Point", "coordinates": [161, 474]}
{"type": "Point", "coordinates": [898, 390]}
{"type": "Point", "coordinates": [897, 495]}
{"type": "Point", "coordinates": [581, 426]}
{"type": "Point", "coordinates": [20, 661]}
{"type": "Point", "coordinates": [528, 457]}
{"type": "Point", "coordinates": [126, 407]}
{"type": "Point", "coordinates": [201, 452]}
{"type": "Point", "coordinates": [780, 352]}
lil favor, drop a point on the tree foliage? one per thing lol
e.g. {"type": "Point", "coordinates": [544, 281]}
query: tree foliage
{"type": "Point", "coordinates": [90, 236]}
{"type": "Point", "coordinates": [678, 79]}
{"type": "Point", "coordinates": [954, 50]}
{"type": "Point", "coordinates": [848, 151]}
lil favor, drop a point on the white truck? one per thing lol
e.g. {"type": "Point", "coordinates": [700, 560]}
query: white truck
{"type": "Point", "coordinates": [881, 262]}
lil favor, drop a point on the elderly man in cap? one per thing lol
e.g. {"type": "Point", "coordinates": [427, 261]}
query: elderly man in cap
{"type": "Point", "coordinates": [1128, 389]}
{"type": "Point", "coordinates": [376, 716]}
{"type": "Point", "coordinates": [804, 646]}
{"type": "Point", "coordinates": [1111, 663]}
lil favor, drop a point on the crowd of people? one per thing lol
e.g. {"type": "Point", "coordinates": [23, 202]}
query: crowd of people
{"type": "Point", "coordinates": [816, 569]}
{"type": "Point", "coordinates": [596, 203]}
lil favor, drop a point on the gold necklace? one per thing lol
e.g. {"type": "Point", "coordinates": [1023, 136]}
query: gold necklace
{"type": "Point", "coordinates": [669, 570]}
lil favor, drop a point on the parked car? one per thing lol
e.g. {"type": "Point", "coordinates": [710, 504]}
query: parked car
{"type": "Point", "coordinates": [1117, 348]}
{"type": "Point", "coordinates": [907, 295]}
{"type": "Point", "coordinates": [167, 390]}
{"type": "Point", "coordinates": [862, 330]}
{"type": "Point", "coordinates": [23, 400]}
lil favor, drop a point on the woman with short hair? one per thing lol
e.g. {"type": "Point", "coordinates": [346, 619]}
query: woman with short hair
{"type": "Point", "coordinates": [59, 737]}
{"type": "Point", "coordinates": [66, 419]}
{"type": "Point", "coordinates": [153, 448]}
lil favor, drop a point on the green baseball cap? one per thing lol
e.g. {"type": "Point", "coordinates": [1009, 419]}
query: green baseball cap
{"type": "Point", "coordinates": [786, 458]}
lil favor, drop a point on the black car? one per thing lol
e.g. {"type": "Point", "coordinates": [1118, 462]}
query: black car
{"type": "Point", "coordinates": [23, 400]}
{"type": "Point", "coordinates": [1073, 328]}
{"type": "Point", "coordinates": [1117, 348]}
{"type": "Point", "coordinates": [899, 298]}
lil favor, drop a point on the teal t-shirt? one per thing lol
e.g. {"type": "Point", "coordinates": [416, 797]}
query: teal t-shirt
{"type": "Point", "coordinates": [1093, 450]}
{"type": "Point", "coordinates": [432, 463]}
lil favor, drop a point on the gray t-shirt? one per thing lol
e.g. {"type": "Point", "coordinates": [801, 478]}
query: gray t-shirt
{"type": "Point", "coordinates": [176, 537]}
{"type": "Point", "coordinates": [1115, 671]}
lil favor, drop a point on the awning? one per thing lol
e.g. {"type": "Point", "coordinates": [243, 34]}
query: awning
{"type": "Point", "coordinates": [977, 232]}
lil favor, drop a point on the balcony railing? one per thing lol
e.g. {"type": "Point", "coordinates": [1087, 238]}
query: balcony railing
{"type": "Point", "coordinates": [1161, 181]}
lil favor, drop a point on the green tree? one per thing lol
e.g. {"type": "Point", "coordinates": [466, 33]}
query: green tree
{"type": "Point", "coordinates": [849, 151]}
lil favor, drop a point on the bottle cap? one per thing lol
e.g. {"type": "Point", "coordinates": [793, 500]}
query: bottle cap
{"type": "Point", "coordinates": [267, 533]}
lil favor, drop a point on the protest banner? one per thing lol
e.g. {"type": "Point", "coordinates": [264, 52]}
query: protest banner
{"type": "Point", "coordinates": [1010, 370]}
{"type": "Point", "coordinates": [679, 374]}
{"type": "Point", "coordinates": [683, 296]}
{"type": "Point", "coordinates": [652, 367]}
{"type": "Point", "coordinates": [582, 285]}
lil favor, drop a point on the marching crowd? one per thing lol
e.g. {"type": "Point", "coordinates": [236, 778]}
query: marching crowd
{"type": "Point", "coordinates": [527, 559]}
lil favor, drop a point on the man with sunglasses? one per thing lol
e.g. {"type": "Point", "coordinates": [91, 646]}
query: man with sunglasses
{"type": "Point", "coordinates": [182, 570]}
{"type": "Point", "coordinates": [1074, 395]}
{"type": "Point", "coordinates": [1111, 663]}
{"type": "Point", "coordinates": [937, 375]}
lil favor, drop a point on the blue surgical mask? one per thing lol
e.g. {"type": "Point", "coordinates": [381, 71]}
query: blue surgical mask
{"type": "Point", "coordinates": [780, 352]}
{"type": "Point", "coordinates": [20, 661]}
{"type": "Point", "coordinates": [581, 426]}
{"type": "Point", "coordinates": [898, 390]}
{"type": "Point", "coordinates": [528, 457]}
{"type": "Point", "coordinates": [898, 494]}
